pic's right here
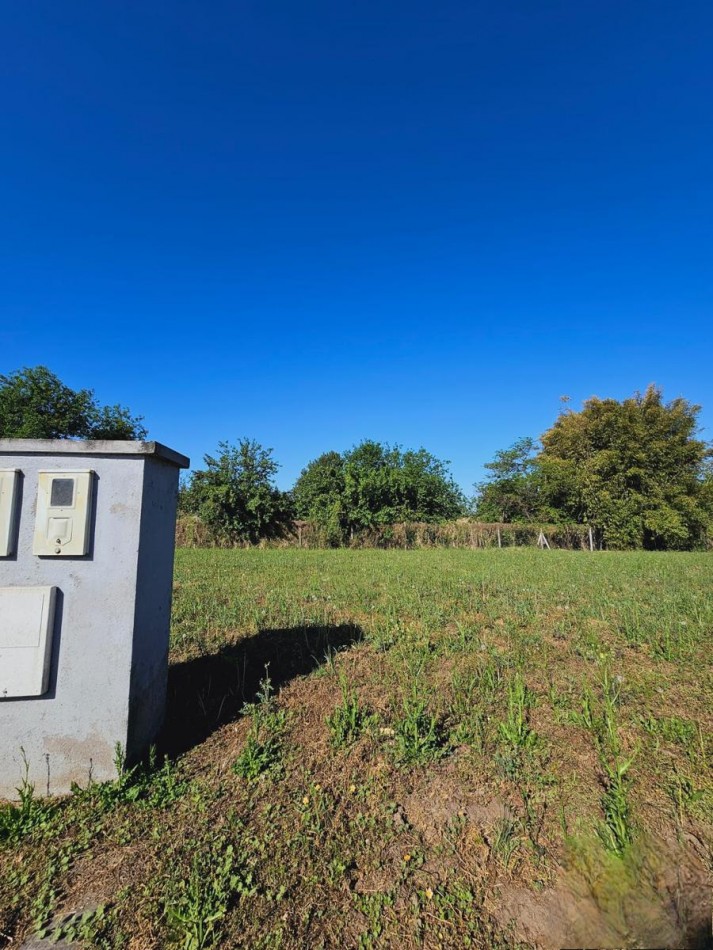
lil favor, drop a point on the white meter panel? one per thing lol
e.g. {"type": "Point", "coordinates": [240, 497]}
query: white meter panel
{"type": "Point", "coordinates": [26, 625]}
{"type": "Point", "coordinates": [9, 479]}
{"type": "Point", "coordinates": [64, 508]}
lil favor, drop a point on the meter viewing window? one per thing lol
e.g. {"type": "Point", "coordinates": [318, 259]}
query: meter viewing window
{"type": "Point", "coordinates": [62, 495]}
{"type": "Point", "coordinates": [63, 513]}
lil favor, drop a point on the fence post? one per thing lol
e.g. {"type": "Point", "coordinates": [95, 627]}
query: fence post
{"type": "Point", "coordinates": [591, 539]}
{"type": "Point", "coordinates": [500, 543]}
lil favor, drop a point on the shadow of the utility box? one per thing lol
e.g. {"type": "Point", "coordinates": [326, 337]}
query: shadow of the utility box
{"type": "Point", "coordinates": [208, 691]}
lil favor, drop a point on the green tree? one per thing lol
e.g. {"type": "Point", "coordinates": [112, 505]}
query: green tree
{"type": "Point", "coordinates": [376, 484]}
{"type": "Point", "coordinates": [707, 486]}
{"type": "Point", "coordinates": [36, 404]}
{"type": "Point", "coordinates": [515, 488]}
{"type": "Point", "coordinates": [633, 469]}
{"type": "Point", "coordinates": [235, 495]}
{"type": "Point", "coordinates": [319, 495]}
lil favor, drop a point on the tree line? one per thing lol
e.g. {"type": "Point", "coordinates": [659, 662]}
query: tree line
{"type": "Point", "coordinates": [635, 471]}
{"type": "Point", "coordinates": [370, 485]}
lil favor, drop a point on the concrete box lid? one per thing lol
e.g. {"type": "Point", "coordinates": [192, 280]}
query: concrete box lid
{"type": "Point", "coordinates": [99, 447]}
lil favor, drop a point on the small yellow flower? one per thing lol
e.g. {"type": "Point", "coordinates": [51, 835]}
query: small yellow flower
{"type": "Point", "coordinates": [352, 789]}
{"type": "Point", "coordinates": [305, 800]}
{"type": "Point", "coordinates": [317, 787]}
{"type": "Point", "coordinates": [407, 857]}
{"type": "Point", "coordinates": [429, 893]}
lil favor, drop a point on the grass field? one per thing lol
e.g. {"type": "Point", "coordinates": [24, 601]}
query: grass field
{"type": "Point", "coordinates": [441, 748]}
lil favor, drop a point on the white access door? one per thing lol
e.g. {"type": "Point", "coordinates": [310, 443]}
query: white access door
{"type": "Point", "coordinates": [26, 626]}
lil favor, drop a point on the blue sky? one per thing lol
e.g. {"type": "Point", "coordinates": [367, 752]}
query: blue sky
{"type": "Point", "coordinates": [312, 223]}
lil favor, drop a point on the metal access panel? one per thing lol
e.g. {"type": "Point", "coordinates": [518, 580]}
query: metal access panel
{"type": "Point", "coordinates": [26, 625]}
{"type": "Point", "coordinates": [64, 508]}
{"type": "Point", "coordinates": [9, 478]}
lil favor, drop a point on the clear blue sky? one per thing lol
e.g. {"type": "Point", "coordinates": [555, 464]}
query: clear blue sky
{"type": "Point", "coordinates": [316, 222]}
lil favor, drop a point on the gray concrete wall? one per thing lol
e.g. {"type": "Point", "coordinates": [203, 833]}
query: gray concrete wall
{"type": "Point", "coordinates": [109, 656]}
{"type": "Point", "coordinates": [152, 615]}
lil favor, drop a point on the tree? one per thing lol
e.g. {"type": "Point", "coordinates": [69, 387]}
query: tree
{"type": "Point", "coordinates": [235, 495]}
{"type": "Point", "coordinates": [632, 469]}
{"type": "Point", "coordinates": [514, 490]}
{"type": "Point", "coordinates": [375, 484]}
{"type": "Point", "coordinates": [36, 404]}
{"type": "Point", "coordinates": [319, 495]}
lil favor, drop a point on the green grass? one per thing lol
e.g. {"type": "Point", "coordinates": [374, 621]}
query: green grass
{"type": "Point", "coordinates": [439, 726]}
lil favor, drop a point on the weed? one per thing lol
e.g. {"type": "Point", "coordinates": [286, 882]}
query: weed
{"type": "Point", "coordinates": [315, 808]}
{"type": "Point", "coordinates": [263, 748]}
{"type": "Point", "coordinates": [586, 717]}
{"type": "Point", "coordinates": [458, 916]}
{"type": "Point", "coordinates": [465, 710]}
{"type": "Point", "coordinates": [47, 895]}
{"type": "Point", "coordinates": [673, 729]}
{"type": "Point", "coordinates": [611, 692]}
{"type": "Point", "coordinates": [373, 907]}
{"type": "Point", "coordinates": [516, 728]}
{"type": "Point", "coordinates": [616, 831]}
{"type": "Point", "coordinates": [258, 757]}
{"type": "Point", "coordinates": [30, 815]}
{"type": "Point", "coordinates": [490, 677]}
{"type": "Point", "coordinates": [471, 731]}
{"type": "Point", "coordinates": [416, 734]}
{"type": "Point", "coordinates": [684, 795]}
{"type": "Point", "coordinates": [467, 637]}
{"type": "Point", "coordinates": [92, 926]}
{"type": "Point", "coordinates": [505, 840]}
{"type": "Point", "coordinates": [349, 719]}
{"type": "Point", "coordinates": [146, 784]}
{"type": "Point", "coordinates": [194, 907]}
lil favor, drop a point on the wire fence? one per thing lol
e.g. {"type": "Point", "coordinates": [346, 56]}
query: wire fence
{"type": "Point", "coordinates": [464, 533]}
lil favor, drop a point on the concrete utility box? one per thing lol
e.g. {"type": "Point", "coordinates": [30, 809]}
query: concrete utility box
{"type": "Point", "coordinates": [86, 567]}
